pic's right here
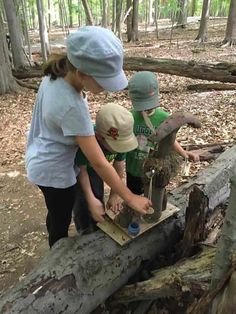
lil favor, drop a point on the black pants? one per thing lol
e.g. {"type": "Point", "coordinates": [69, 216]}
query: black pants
{"type": "Point", "coordinates": [135, 184]}
{"type": "Point", "coordinates": [84, 223]}
{"type": "Point", "coordinates": [59, 203]}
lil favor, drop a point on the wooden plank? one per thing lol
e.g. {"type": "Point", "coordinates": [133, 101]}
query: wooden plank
{"type": "Point", "coordinates": [114, 232]}
{"type": "Point", "coordinates": [121, 235]}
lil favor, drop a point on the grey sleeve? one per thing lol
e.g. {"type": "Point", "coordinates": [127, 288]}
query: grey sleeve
{"type": "Point", "coordinates": [77, 121]}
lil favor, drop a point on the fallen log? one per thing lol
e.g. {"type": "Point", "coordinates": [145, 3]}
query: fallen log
{"type": "Point", "coordinates": [193, 275]}
{"type": "Point", "coordinates": [210, 87]}
{"type": "Point", "coordinates": [213, 182]}
{"type": "Point", "coordinates": [80, 273]}
{"type": "Point", "coordinates": [223, 72]}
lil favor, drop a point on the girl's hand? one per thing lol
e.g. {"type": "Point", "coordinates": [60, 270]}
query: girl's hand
{"type": "Point", "coordinates": [140, 204]}
{"type": "Point", "coordinates": [193, 156]}
{"type": "Point", "coordinates": [96, 209]}
{"type": "Point", "coordinates": [114, 203]}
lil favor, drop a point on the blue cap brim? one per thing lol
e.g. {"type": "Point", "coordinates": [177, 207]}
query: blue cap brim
{"type": "Point", "coordinates": [113, 84]}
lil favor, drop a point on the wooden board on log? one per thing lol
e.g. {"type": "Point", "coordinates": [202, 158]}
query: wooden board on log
{"type": "Point", "coordinates": [121, 235]}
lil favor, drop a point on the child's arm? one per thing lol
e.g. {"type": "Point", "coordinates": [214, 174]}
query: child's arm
{"type": "Point", "coordinates": [114, 202]}
{"type": "Point", "coordinates": [95, 205]}
{"type": "Point", "coordinates": [185, 154]}
{"type": "Point", "coordinates": [105, 170]}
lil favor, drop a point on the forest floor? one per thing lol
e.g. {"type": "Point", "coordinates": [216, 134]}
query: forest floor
{"type": "Point", "coordinates": [23, 238]}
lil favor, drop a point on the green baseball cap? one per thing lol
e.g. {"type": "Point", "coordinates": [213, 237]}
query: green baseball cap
{"type": "Point", "coordinates": [144, 91]}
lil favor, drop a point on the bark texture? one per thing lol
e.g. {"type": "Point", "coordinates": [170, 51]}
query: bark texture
{"type": "Point", "coordinates": [223, 72]}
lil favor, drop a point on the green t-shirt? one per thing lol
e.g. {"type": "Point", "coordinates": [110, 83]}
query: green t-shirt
{"type": "Point", "coordinates": [81, 160]}
{"type": "Point", "coordinates": [135, 158]}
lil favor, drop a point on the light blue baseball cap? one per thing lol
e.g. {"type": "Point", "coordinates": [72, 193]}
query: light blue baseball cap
{"type": "Point", "coordinates": [97, 52]}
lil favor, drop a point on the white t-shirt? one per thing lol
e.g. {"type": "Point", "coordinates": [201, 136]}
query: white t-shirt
{"type": "Point", "coordinates": [60, 114]}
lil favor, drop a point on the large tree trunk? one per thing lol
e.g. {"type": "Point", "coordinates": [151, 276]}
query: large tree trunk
{"type": "Point", "coordinates": [7, 82]}
{"type": "Point", "coordinates": [230, 36]}
{"type": "Point", "coordinates": [223, 72]}
{"type": "Point", "coordinates": [19, 58]}
{"type": "Point", "coordinates": [81, 272]}
{"type": "Point", "coordinates": [202, 33]}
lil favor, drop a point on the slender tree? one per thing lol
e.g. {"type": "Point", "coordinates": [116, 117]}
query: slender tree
{"type": "Point", "coordinates": [134, 32]}
{"type": "Point", "coordinates": [156, 5]}
{"type": "Point", "coordinates": [230, 36]}
{"type": "Point", "coordinates": [202, 33]}
{"type": "Point", "coordinates": [19, 58]}
{"type": "Point", "coordinates": [129, 19]}
{"type": "Point", "coordinates": [88, 13]}
{"type": "Point", "coordinates": [104, 13]}
{"type": "Point", "coordinates": [150, 16]}
{"type": "Point", "coordinates": [43, 31]}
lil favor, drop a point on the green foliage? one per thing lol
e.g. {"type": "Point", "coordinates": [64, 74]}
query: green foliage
{"type": "Point", "coordinates": [219, 7]}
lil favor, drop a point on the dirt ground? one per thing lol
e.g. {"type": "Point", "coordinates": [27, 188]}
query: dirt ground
{"type": "Point", "coordinates": [22, 211]}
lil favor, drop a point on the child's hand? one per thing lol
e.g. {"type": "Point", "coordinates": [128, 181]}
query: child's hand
{"type": "Point", "coordinates": [96, 209]}
{"type": "Point", "coordinates": [140, 204]}
{"type": "Point", "coordinates": [193, 156]}
{"type": "Point", "coordinates": [114, 203]}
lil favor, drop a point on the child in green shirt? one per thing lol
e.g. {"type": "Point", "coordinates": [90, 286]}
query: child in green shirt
{"type": "Point", "coordinates": [114, 133]}
{"type": "Point", "coordinates": [144, 94]}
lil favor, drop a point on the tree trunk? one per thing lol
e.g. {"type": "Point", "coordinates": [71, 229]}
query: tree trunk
{"type": "Point", "coordinates": [7, 82]}
{"type": "Point", "coordinates": [19, 58]}
{"type": "Point", "coordinates": [150, 18]}
{"type": "Point", "coordinates": [156, 4]}
{"type": "Point", "coordinates": [43, 31]}
{"type": "Point", "coordinates": [230, 36]}
{"type": "Point", "coordinates": [223, 72]}
{"type": "Point", "coordinates": [88, 12]}
{"type": "Point", "coordinates": [129, 19]}
{"type": "Point", "coordinates": [182, 13]}
{"type": "Point", "coordinates": [104, 13]}
{"type": "Point", "coordinates": [134, 33]}
{"type": "Point", "coordinates": [119, 10]}
{"type": "Point", "coordinates": [202, 33]}
{"type": "Point", "coordinates": [81, 272]}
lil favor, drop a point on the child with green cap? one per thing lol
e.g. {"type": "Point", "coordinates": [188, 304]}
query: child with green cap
{"type": "Point", "coordinates": [144, 94]}
{"type": "Point", "coordinates": [114, 133]}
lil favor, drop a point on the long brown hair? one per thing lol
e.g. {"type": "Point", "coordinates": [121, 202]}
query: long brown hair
{"type": "Point", "coordinates": [58, 65]}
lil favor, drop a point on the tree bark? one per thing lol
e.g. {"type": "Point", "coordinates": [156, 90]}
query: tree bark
{"type": "Point", "coordinates": [7, 82]}
{"type": "Point", "coordinates": [43, 31]}
{"type": "Point", "coordinates": [202, 33]}
{"type": "Point", "coordinates": [230, 36]}
{"type": "Point", "coordinates": [193, 274]}
{"type": "Point", "coordinates": [88, 13]}
{"type": "Point", "coordinates": [226, 244]}
{"type": "Point", "coordinates": [19, 58]}
{"type": "Point", "coordinates": [80, 273]}
{"type": "Point", "coordinates": [223, 72]}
